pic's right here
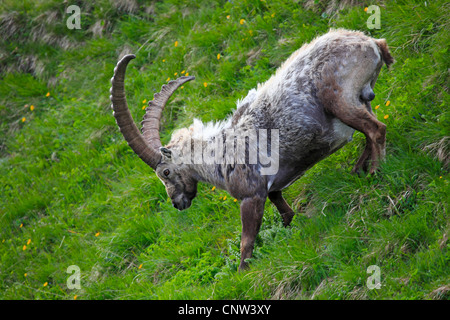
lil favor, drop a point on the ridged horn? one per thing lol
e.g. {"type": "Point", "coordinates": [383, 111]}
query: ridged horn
{"type": "Point", "coordinates": [152, 117]}
{"type": "Point", "coordinates": [124, 120]}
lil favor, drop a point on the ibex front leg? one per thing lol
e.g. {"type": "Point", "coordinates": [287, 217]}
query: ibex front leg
{"type": "Point", "coordinates": [252, 210]}
{"type": "Point", "coordinates": [283, 208]}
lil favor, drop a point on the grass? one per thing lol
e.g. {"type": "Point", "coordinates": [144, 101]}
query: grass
{"type": "Point", "coordinates": [73, 193]}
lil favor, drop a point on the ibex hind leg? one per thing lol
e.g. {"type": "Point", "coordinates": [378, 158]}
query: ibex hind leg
{"type": "Point", "coordinates": [375, 131]}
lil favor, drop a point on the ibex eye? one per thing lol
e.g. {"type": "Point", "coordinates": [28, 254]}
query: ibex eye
{"type": "Point", "coordinates": [166, 172]}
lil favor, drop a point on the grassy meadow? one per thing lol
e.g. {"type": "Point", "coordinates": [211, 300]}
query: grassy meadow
{"type": "Point", "coordinates": [74, 195]}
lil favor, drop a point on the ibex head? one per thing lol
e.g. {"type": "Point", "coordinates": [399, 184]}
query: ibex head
{"type": "Point", "coordinates": [181, 186]}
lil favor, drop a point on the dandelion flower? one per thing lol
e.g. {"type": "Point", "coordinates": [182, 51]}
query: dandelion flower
{"type": "Point", "coordinates": [228, 17]}
{"type": "Point", "coordinates": [365, 9]}
{"type": "Point", "coordinates": [143, 107]}
{"type": "Point", "coordinates": [218, 56]}
{"type": "Point", "coordinates": [144, 101]}
{"type": "Point", "coordinates": [235, 200]}
{"type": "Point", "coordinates": [440, 177]}
{"type": "Point", "coordinates": [29, 241]}
{"type": "Point", "coordinates": [168, 79]}
{"type": "Point", "coordinates": [140, 266]}
{"type": "Point", "coordinates": [388, 103]}
{"type": "Point", "coordinates": [225, 198]}
{"type": "Point", "coordinates": [97, 234]}
{"type": "Point", "coordinates": [182, 87]}
{"type": "Point", "coordinates": [75, 297]}
{"type": "Point", "coordinates": [24, 248]}
{"type": "Point", "coordinates": [187, 73]}
{"type": "Point", "coordinates": [242, 21]}
{"type": "Point", "coordinates": [163, 60]}
{"type": "Point", "coordinates": [386, 116]}
{"type": "Point", "coordinates": [21, 225]}
{"type": "Point", "coordinates": [25, 274]}
{"type": "Point", "coordinates": [176, 43]}
{"type": "Point", "coordinates": [205, 84]}
{"type": "Point", "coordinates": [24, 119]}
{"type": "Point", "coordinates": [45, 284]}
{"type": "Point", "coordinates": [377, 106]}
{"type": "Point", "coordinates": [220, 198]}
{"type": "Point", "coordinates": [213, 188]}
{"type": "Point", "coordinates": [183, 72]}
{"type": "Point", "coordinates": [272, 15]}
{"type": "Point", "coordinates": [48, 94]}
{"type": "Point", "coordinates": [175, 73]}
{"type": "Point", "coordinates": [31, 107]}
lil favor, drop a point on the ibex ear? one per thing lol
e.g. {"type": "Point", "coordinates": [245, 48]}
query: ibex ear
{"type": "Point", "coordinates": [166, 154]}
{"type": "Point", "coordinates": [387, 57]}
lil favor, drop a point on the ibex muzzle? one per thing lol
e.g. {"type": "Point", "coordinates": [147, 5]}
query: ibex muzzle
{"type": "Point", "coordinates": [315, 101]}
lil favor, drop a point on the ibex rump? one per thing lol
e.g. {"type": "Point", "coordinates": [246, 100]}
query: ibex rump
{"type": "Point", "coordinates": [316, 100]}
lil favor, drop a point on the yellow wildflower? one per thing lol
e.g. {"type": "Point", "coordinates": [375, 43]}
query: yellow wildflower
{"type": "Point", "coordinates": [144, 101]}
{"type": "Point", "coordinates": [31, 107]}
{"type": "Point", "coordinates": [386, 116]}
{"type": "Point", "coordinates": [75, 297]}
{"type": "Point", "coordinates": [29, 241]}
{"type": "Point", "coordinates": [182, 72]}
{"type": "Point", "coordinates": [168, 79]}
{"type": "Point", "coordinates": [48, 94]}
{"type": "Point", "coordinates": [365, 9]}
{"type": "Point", "coordinates": [143, 107]}
{"type": "Point", "coordinates": [377, 106]}
{"type": "Point", "coordinates": [25, 274]}
{"type": "Point", "coordinates": [388, 103]}
{"type": "Point", "coordinates": [97, 234]}
{"type": "Point", "coordinates": [176, 43]}
{"type": "Point", "coordinates": [228, 16]}
{"type": "Point", "coordinates": [242, 21]}
{"type": "Point", "coordinates": [205, 84]}
{"type": "Point", "coordinates": [45, 284]}
{"type": "Point", "coordinates": [140, 266]}
{"type": "Point", "coordinates": [175, 73]}
{"type": "Point", "coordinates": [218, 56]}
{"type": "Point", "coordinates": [213, 188]}
{"type": "Point", "coordinates": [24, 119]}
{"type": "Point", "coordinates": [187, 73]}
{"type": "Point", "coordinates": [235, 200]}
{"type": "Point", "coordinates": [163, 60]}
{"type": "Point", "coordinates": [182, 87]}
{"type": "Point", "coordinates": [21, 225]}
{"type": "Point", "coordinates": [225, 198]}
{"type": "Point", "coordinates": [24, 248]}
{"type": "Point", "coordinates": [272, 15]}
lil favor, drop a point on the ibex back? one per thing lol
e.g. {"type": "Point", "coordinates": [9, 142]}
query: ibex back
{"type": "Point", "coordinates": [313, 104]}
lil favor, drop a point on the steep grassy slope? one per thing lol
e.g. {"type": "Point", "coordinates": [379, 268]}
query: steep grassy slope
{"type": "Point", "coordinates": [72, 193]}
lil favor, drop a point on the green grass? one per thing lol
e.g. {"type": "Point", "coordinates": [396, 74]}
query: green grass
{"type": "Point", "coordinates": [73, 193]}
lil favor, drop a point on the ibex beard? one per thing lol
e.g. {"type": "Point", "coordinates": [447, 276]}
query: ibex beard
{"type": "Point", "coordinates": [306, 111]}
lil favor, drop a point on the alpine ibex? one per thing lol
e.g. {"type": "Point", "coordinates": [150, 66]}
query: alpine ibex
{"type": "Point", "coordinates": [315, 101]}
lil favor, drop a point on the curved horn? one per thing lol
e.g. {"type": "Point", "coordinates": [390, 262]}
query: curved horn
{"type": "Point", "coordinates": [152, 117]}
{"type": "Point", "coordinates": [124, 119]}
